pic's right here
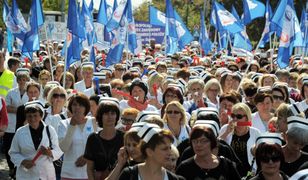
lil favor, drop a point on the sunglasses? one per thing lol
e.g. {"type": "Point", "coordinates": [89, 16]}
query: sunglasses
{"type": "Point", "coordinates": [267, 159]}
{"type": "Point", "coordinates": [237, 116]}
{"type": "Point", "coordinates": [120, 69]}
{"type": "Point", "coordinates": [278, 97]}
{"type": "Point", "coordinates": [126, 121]}
{"type": "Point", "coordinates": [173, 112]}
{"type": "Point", "coordinates": [59, 96]}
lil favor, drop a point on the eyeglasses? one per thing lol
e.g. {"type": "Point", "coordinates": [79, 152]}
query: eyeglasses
{"type": "Point", "coordinates": [59, 96]}
{"type": "Point", "coordinates": [201, 141]}
{"type": "Point", "coordinates": [237, 116]}
{"type": "Point", "coordinates": [127, 121]}
{"type": "Point", "coordinates": [278, 97]}
{"type": "Point", "coordinates": [267, 159]}
{"type": "Point", "coordinates": [173, 112]}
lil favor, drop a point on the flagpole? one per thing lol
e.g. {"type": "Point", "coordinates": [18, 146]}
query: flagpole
{"type": "Point", "coordinates": [229, 38]}
{"type": "Point", "coordinates": [271, 54]}
{"type": "Point", "coordinates": [48, 51]}
{"type": "Point", "coordinates": [65, 59]}
{"type": "Point", "coordinates": [304, 46]}
{"type": "Point", "coordinates": [215, 40]}
{"type": "Point", "coordinates": [219, 40]}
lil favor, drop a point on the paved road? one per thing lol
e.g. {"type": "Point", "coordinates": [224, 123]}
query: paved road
{"type": "Point", "coordinates": [4, 169]}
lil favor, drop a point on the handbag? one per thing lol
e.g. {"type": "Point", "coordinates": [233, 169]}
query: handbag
{"type": "Point", "coordinates": [58, 163]}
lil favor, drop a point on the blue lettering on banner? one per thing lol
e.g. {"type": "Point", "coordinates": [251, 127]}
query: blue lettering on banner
{"type": "Point", "coordinates": [145, 31]}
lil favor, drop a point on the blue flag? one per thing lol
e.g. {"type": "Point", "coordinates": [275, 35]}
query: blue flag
{"type": "Point", "coordinates": [74, 25]}
{"type": "Point", "coordinates": [10, 38]}
{"type": "Point", "coordinates": [131, 29]}
{"type": "Point", "coordinates": [223, 41]}
{"type": "Point", "coordinates": [184, 37]}
{"type": "Point", "coordinates": [241, 39]}
{"type": "Point", "coordinates": [86, 17]}
{"type": "Point", "coordinates": [288, 29]}
{"type": "Point", "coordinates": [267, 32]}
{"type": "Point", "coordinates": [117, 15]}
{"type": "Point", "coordinates": [91, 6]}
{"type": "Point", "coordinates": [16, 23]}
{"type": "Point", "coordinates": [102, 13]}
{"type": "Point", "coordinates": [171, 33]}
{"type": "Point", "coordinates": [223, 20]}
{"type": "Point", "coordinates": [252, 9]}
{"type": "Point", "coordinates": [73, 44]}
{"type": "Point", "coordinates": [92, 57]}
{"type": "Point", "coordinates": [32, 40]}
{"type": "Point", "coordinates": [157, 17]}
{"type": "Point", "coordinates": [204, 40]}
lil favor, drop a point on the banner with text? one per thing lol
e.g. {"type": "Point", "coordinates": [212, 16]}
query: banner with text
{"type": "Point", "coordinates": [147, 31]}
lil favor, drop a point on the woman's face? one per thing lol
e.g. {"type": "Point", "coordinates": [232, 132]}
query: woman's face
{"type": "Point", "coordinates": [235, 84]}
{"type": "Point", "coordinates": [138, 93]}
{"type": "Point", "coordinates": [173, 114]}
{"type": "Point", "coordinates": [109, 119]}
{"type": "Point", "coordinates": [93, 107]}
{"type": "Point", "coordinates": [68, 82]}
{"type": "Point", "coordinates": [33, 93]}
{"type": "Point", "coordinates": [196, 88]}
{"type": "Point", "coordinates": [58, 99]}
{"type": "Point", "coordinates": [270, 164]}
{"type": "Point", "coordinates": [265, 106]}
{"type": "Point", "coordinates": [119, 72]}
{"type": "Point", "coordinates": [268, 81]}
{"type": "Point", "coordinates": [78, 109]}
{"type": "Point", "coordinates": [44, 79]}
{"type": "Point", "coordinates": [294, 145]}
{"type": "Point", "coordinates": [282, 124]}
{"type": "Point", "coordinates": [171, 97]}
{"type": "Point", "coordinates": [212, 92]}
{"type": "Point", "coordinates": [239, 116]}
{"type": "Point", "coordinates": [162, 152]}
{"type": "Point", "coordinates": [33, 119]}
{"type": "Point", "coordinates": [254, 68]}
{"type": "Point", "coordinates": [228, 82]}
{"type": "Point", "coordinates": [22, 82]}
{"type": "Point", "coordinates": [59, 71]}
{"type": "Point", "coordinates": [278, 98]}
{"type": "Point", "coordinates": [132, 149]}
{"type": "Point", "coordinates": [201, 146]}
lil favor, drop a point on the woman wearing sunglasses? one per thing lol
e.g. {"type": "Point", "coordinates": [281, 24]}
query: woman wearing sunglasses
{"type": "Point", "coordinates": [269, 156]}
{"type": "Point", "coordinates": [280, 94]}
{"type": "Point", "coordinates": [56, 111]}
{"type": "Point", "coordinates": [239, 134]}
{"type": "Point", "coordinates": [175, 121]}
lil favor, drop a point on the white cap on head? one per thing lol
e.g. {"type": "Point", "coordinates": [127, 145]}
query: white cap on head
{"type": "Point", "coordinates": [109, 99]}
{"type": "Point", "coordinates": [143, 115]}
{"type": "Point", "coordinates": [208, 123]}
{"type": "Point", "coordinates": [148, 131]}
{"type": "Point", "coordinates": [270, 138]}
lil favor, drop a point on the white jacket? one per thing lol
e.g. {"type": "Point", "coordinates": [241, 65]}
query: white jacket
{"type": "Point", "coordinates": [22, 148]}
{"type": "Point", "coordinates": [14, 98]}
{"type": "Point", "coordinates": [253, 135]}
{"type": "Point", "coordinates": [81, 87]}
{"type": "Point", "coordinates": [73, 141]}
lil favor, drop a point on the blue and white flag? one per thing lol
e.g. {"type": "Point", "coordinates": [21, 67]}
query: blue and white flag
{"type": "Point", "coordinates": [131, 29]}
{"type": "Point", "coordinates": [288, 29]}
{"type": "Point", "coordinates": [91, 6]}
{"type": "Point", "coordinates": [222, 41]}
{"type": "Point", "coordinates": [184, 37]}
{"type": "Point", "coordinates": [204, 40]}
{"type": "Point", "coordinates": [252, 9]}
{"type": "Point", "coordinates": [86, 17]}
{"type": "Point", "coordinates": [171, 33]}
{"type": "Point", "coordinates": [73, 44]}
{"type": "Point", "coordinates": [102, 17]}
{"type": "Point", "coordinates": [114, 55]}
{"type": "Point", "coordinates": [157, 17]}
{"type": "Point", "coordinates": [241, 39]}
{"type": "Point", "coordinates": [32, 40]}
{"type": "Point", "coordinates": [267, 32]}
{"type": "Point", "coordinates": [16, 23]}
{"type": "Point", "coordinates": [117, 15]}
{"type": "Point", "coordinates": [74, 25]}
{"type": "Point", "coordinates": [10, 37]}
{"type": "Point", "coordinates": [225, 21]}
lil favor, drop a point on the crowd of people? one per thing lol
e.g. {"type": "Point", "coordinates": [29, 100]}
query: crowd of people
{"type": "Point", "coordinates": [154, 116]}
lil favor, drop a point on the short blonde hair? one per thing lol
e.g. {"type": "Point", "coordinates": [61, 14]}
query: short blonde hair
{"type": "Point", "coordinates": [52, 91]}
{"type": "Point", "coordinates": [243, 107]}
{"type": "Point", "coordinates": [213, 82]}
{"type": "Point", "coordinates": [155, 78]}
{"type": "Point", "coordinates": [181, 108]}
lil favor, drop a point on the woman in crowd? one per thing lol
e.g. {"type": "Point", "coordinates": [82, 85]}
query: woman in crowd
{"type": "Point", "coordinates": [43, 78]}
{"type": "Point", "coordinates": [240, 136]}
{"type": "Point", "coordinates": [118, 71]}
{"type": "Point", "coordinates": [29, 140]}
{"type": "Point", "coordinates": [264, 104]}
{"type": "Point", "coordinates": [212, 91]}
{"type": "Point", "coordinates": [205, 164]}
{"type": "Point", "coordinates": [267, 80]}
{"type": "Point", "coordinates": [138, 91]}
{"type": "Point", "coordinates": [69, 80]}
{"type": "Point", "coordinates": [155, 94]}
{"type": "Point", "coordinates": [117, 84]}
{"type": "Point", "coordinates": [94, 100]}
{"type": "Point", "coordinates": [175, 121]}
{"type": "Point", "coordinates": [171, 94]}
{"type": "Point", "coordinates": [155, 148]}
{"type": "Point", "coordinates": [59, 71]}
{"type": "Point", "coordinates": [296, 139]}
{"type": "Point", "coordinates": [269, 157]}
{"type": "Point", "coordinates": [128, 117]}
{"type": "Point", "coordinates": [226, 81]}
{"type": "Point", "coordinates": [73, 134]}
{"type": "Point", "coordinates": [16, 97]}
{"type": "Point", "coordinates": [55, 112]}
{"type": "Point", "coordinates": [102, 147]}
